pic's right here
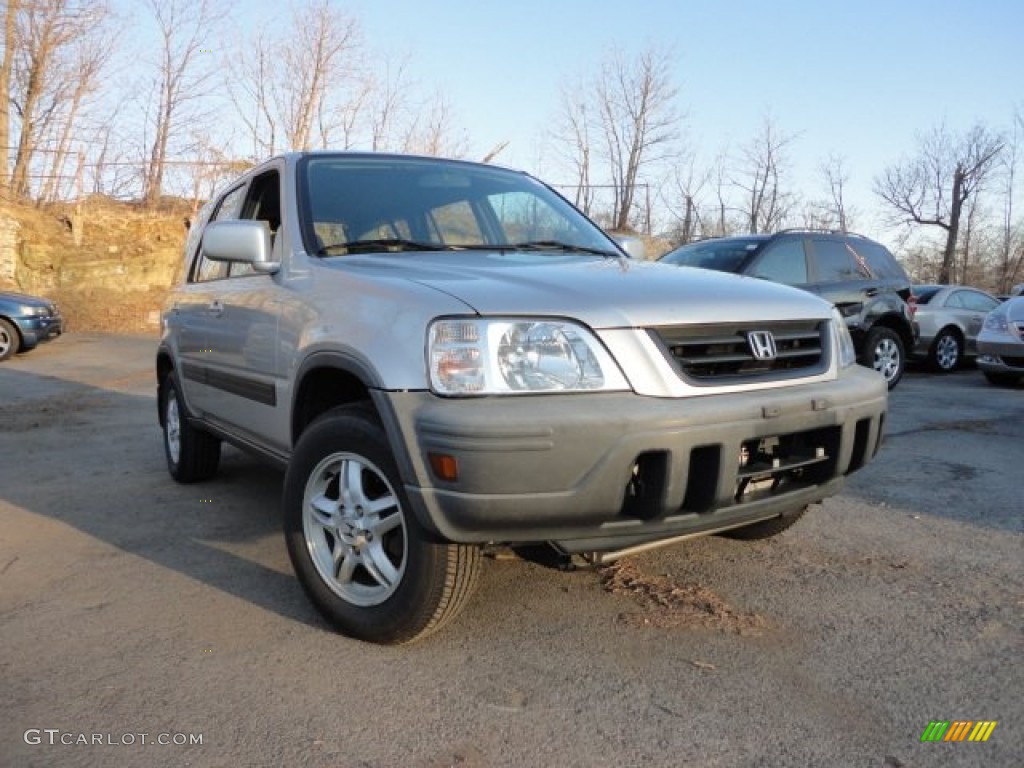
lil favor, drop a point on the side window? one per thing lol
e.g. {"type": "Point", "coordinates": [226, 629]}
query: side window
{"type": "Point", "coordinates": [956, 300]}
{"type": "Point", "coordinates": [835, 262]}
{"type": "Point", "coordinates": [782, 262]}
{"type": "Point", "coordinates": [978, 302]}
{"type": "Point", "coordinates": [263, 203]}
{"type": "Point", "coordinates": [525, 218]}
{"type": "Point", "coordinates": [455, 224]}
{"type": "Point", "coordinates": [207, 269]}
{"type": "Point", "coordinates": [880, 262]}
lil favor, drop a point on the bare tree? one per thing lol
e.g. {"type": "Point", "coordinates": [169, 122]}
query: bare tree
{"type": "Point", "coordinates": [48, 27]}
{"type": "Point", "coordinates": [6, 67]}
{"type": "Point", "coordinates": [389, 105]}
{"type": "Point", "coordinates": [320, 55]}
{"type": "Point", "coordinates": [301, 85]}
{"type": "Point", "coordinates": [249, 87]}
{"type": "Point", "coordinates": [639, 121]}
{"type": "Point", "coordinates": [687, 184]}
{"type": "Point", "coordinates": [836, 178]}
{"type": "Point", "coordinates": [82, 73]}
{"type": "Point", "coordinates": [1010, 259]}
{"type": "Point", "coordinates": [932, 187]}
{"type": "Point", "coordinates": [760, 176]}
{"type": "Point", "coordinates": [719, 177]}
{"type": "Point", "coordinates": [182, 26]}
{"type": "Point", "coordinates": [619, 125]}
{"type": "Point", "coordinates": [574, 134]}
{"type": "Point", "coordinates": [432, 132]}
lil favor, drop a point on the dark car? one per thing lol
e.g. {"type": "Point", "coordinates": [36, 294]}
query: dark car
{"type": "Point", "coordinates": [860, 276]}
{"type": "Point", "coordinates": [25, 321]}
{"type": "Point", "coordinates": [949, 318]}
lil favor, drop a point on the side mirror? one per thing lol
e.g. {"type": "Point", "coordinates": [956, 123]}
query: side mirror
{"type": "Point", "coordinates": [246, 241]}
{"type": "Point", "coordinates": [631, 244]}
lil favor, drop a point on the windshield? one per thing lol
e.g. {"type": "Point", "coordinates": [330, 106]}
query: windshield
{"type": "Point", "coordinates": [722, 255]}
{"type": "Point", "coordinates": [362, 203]}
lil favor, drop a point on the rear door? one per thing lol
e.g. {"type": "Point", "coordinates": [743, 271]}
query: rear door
{"type": "Point", "coordinates": [839, 276]}
{"type": "Point", "coordinates": [189, 316]}
{"type": "Point", "coordinates": [242, 365]}
{"type": "Point", "coordinates": [970, 308]}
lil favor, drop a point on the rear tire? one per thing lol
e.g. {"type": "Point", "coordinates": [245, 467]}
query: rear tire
{"type": "Point", "coordinates": [883, 351]}
{"type": "Point", "coordinates": [946, 352]}
{"type": "Point", "coordinates": [355, 544]}
{"type": "Point", "coordinates": [192, 455]}
{"type": "Point", "coordinates": [10, 341]}
{"type": "Point", "coordinates": [766, 529]}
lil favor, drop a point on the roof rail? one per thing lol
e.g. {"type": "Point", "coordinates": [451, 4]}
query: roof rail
{"type": "Point", "coordinates": [818, 230]}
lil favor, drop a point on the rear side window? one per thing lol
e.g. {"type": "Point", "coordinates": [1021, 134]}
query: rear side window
{"type": "Point", "coordinates": [881, 263]}
{"type": "Point", "coordinates": [838, 263]}
{"type": "Point", "coordinates": [975, 302]}
{"type": "Point", "coordinates": [783, 262]}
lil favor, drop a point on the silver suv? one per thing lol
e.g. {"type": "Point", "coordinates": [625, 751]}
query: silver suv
{"type": "Point", "coordinates": [444, 355]}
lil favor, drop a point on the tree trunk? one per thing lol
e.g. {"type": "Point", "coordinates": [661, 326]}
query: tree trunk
{"type": "Point", "coordinates": [5, 90]}
{"type": "Point", "coordinates": [953, 230]}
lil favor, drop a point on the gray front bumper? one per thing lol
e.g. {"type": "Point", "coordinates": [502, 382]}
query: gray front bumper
{"type": "Point", "coordinates": [557, 467]}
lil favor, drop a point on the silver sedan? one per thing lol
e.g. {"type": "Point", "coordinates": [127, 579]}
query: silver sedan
{"type": "Point", "coordinates": [949, 318]}
{"type": "Point", "coordinates": [1001, 343]}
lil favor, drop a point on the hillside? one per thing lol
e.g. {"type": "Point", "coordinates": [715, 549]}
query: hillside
{"type": "Point", "coordinates": [108, 264]}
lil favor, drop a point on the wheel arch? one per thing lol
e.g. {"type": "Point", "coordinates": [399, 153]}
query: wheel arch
{"type": "Point", "coordinates": [956, 329]}
{"type": "Point", "coordinates": [19, 337]}
{"type": "Point", "coordinates": [326, 380]}
{"type": "Point", "coordinates": [895, 322]}
{"type": "Point", "coordinates": [164, 366]}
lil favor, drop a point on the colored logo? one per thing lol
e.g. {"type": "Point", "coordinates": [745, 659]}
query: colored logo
{"type": "Point", "coordinates": [959, 730]}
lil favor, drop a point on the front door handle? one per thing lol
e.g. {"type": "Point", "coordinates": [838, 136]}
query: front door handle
{"type": "Point", "coordinates": [216, 308]}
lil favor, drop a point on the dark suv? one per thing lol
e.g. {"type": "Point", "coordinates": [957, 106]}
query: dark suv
{"type": "Point", "coordinates": [858, 275]}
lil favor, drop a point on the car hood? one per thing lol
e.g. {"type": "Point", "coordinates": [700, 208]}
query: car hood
{"type": "Point", "coordinates": [602, 292]}
{"type": "Point", "coordinates": [24, 299]}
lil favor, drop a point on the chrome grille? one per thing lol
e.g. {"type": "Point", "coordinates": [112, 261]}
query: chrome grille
{"type": "Point", "coordinates": [711, 353]}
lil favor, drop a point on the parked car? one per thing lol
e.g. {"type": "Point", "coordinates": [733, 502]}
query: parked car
{"type": "Point", "coordinates": [949, 318]}
{"type": "Point", "coordinates": [1001, 343]}
{"type": "Point", "coordinates": [858, 275]}
{"type": "Point", "coordinates": [25, 321]}
{"type": "Point", "coordinates": [443, 355]}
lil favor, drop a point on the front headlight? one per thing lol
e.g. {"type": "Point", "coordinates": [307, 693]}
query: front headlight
{"type": "Point", "coordinates": [34, 311]}
{"type": "Point", "coordinates": [474, 356]}
{"type": "Point", "coordinates": [997, 322]}
{"type": "Point", "coordinates": [844, 343]}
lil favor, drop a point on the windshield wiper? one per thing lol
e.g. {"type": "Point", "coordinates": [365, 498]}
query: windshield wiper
{"type": "Point", "coordinates": [386, 244]}
{"type": "Point", "coordinates": [557, 245]}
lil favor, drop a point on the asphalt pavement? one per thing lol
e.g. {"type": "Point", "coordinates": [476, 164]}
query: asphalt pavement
{"type": "Point", "coordinates": [144, 623]}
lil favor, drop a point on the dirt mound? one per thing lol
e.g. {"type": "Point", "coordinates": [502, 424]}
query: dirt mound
{"type": "Point", "coordinates": [667, 604]}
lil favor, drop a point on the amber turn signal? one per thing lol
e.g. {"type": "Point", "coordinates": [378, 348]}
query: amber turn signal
{"type": "Point", "coordinates": [445, 467]}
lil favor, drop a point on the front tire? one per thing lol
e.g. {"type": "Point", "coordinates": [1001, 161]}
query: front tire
{"type": "Point", "coordinates": [1002, 379]}
{"type": "Point", "coordinates": [10, 341]}
{"type": "Point", "coordinates": [883, 351]}
{"type": "Point", "coordinates": [355, 545]}
{"type": "Point", "coordinates": [192, 455]}
{"type": "Point", "coordinates": [946, 351]}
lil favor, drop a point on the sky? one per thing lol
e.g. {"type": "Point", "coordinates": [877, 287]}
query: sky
{"type": "Point", "coordinates": [859, 79]}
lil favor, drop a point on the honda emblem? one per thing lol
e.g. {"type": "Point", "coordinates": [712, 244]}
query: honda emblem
{"type": "Point", "coordinates": [762, 345]}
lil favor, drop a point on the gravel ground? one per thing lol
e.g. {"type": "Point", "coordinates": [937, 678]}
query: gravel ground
{"type": "Point", "coordinates": [130, 605]}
